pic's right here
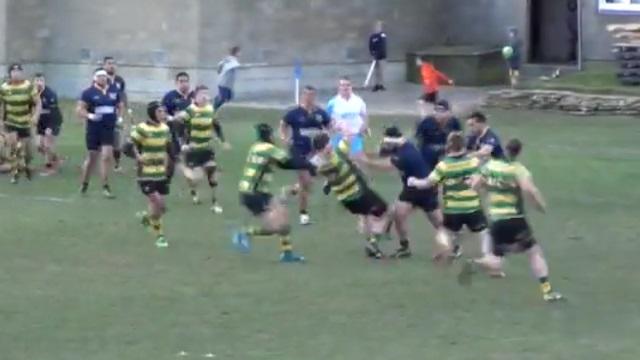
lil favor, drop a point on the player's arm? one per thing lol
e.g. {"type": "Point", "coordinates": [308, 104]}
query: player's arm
{"type": "Point", "coordinates": [284, 131]}
{"type": "Point", "coordinates": [286, 162]}
{"type": "Point", "coordinates": [531, 191]}
{"type": "Point", "coordinates": [435, 178]}
{"type": "Point", "coordinates": [484, 152]}
{"type": "Point", "coordinates": [443, 78]}
{"type": "Point", "coordinates": [82, 110]}
{"type": "Point", "coordinates": [37, 106]}
{"type": "Point", "coordinates": [383, 164]}
{"type": "Point", "coordinates": [365, 130]}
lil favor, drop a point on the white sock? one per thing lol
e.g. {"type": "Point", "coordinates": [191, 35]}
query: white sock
{"type": "Point", "coordinates": [486, 245]}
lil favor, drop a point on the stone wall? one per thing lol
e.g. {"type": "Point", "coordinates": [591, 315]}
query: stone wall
{"type": "Point", "coordinates": [566, 101]}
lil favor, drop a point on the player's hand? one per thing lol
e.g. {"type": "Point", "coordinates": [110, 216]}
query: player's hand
{"type": "Point", "coordinates": [412, 182]}
{"type": "Point", "coordinates": [185, 148]}
{"type": "Point", "coordinates": [226, 146]}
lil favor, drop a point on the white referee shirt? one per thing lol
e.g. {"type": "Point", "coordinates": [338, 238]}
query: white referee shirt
{"type": "Point", "coordinates": [348, 114]}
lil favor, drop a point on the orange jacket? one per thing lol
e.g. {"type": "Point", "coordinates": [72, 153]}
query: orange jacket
{"type": "Point", "coordinates": [432, 78]}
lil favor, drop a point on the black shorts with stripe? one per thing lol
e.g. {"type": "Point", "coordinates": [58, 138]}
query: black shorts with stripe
{"type": "Point", "coordinates": [22, 133]}
{"type": "Point", "coordinates": [149, 187]}
{"type": "Point", "coordinates": [200, 158]}
{"type": "Point", "coordinates": [425, 199]}
{"type": "Point", "coordinates": [257, 203]}
{"type": "Point", "coordinates": [511, 236]}
{"type": "Point", "coordinates": [368, 203]}
{"type": "Point", "coordinates": [474, 221]}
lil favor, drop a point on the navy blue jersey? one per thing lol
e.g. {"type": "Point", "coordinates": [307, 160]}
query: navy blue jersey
{"type": "Point", "coordinates": [174, 101]}
{"type": "Point", "coordinates": [408, 160]}
{"type": "Point", "coordinates": [475, 143]}
{"type": "Point", "coordinates": [378, 45]}
{"type": "Point", "coordinates": [432, 138]}
{"type": "Point", "coordinates": [304, 126]}
{"type": "Point", "coordinates": [119, 83]}
{"type": "Point", "coordinates": [103, 103]}
{"type": "Point", "coordinates": [50, 112]}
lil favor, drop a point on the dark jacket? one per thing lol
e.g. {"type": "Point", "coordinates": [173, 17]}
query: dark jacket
{"type": "Point", "coordinates": [378, 45]}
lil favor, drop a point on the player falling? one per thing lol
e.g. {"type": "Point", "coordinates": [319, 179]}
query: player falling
{"type": "Point", "coordinates": [150, 147]}
{"type": "Point", "coordinates": [461, 203]}
{"type": "Point", "coordinates": [256, 196]}
{"type": "Point", "coordinates": [508, 182]}
{"type": "Point", "coordinates": [199, 155]}
{"type": "Point", "coordinates": [351, 189]}
{"type": "Point", "coordinates": [400, 154]}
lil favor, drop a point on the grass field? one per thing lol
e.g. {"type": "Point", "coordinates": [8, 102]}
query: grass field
{"type": "Point", "coordinates": [80, 279]}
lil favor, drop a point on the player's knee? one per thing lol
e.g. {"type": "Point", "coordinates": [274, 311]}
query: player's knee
{"type": "Point", "coordinates": [284, 230]}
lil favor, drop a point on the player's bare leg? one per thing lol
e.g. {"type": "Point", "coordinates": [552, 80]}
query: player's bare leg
{"type": "Point", "coordinates": [212, 180]}
{"type": "Point", "coordinates": [48, 146]}
{"type": "Point", "coordinates": [442, 247]}
{"type": "Point", "coordinates": [305, 181]}
{"type": "Point", "coordinates": [87, 169]}
{"type": "Point", "coordinates": [401, 212]}
{"type": "Point", "coordinates": [152, 218]}
{"type": "Point", "coordinates": [540, 270]}
{"type": "Point", "coordinates": [106, 159]}
{"type": "Point", "coordinates": [192, 176]}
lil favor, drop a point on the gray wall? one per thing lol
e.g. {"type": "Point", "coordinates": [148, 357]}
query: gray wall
{"type": "Point", "coordinates": [596, 43]}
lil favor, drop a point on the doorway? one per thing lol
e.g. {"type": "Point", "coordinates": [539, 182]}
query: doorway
{"type": "Point", "coordinates": [554, 32]}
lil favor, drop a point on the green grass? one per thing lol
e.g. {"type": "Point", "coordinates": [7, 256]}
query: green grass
{"type": "Point", "coordinates": [596, 78]}
{"type": "Point", "coordinates": [80, 279]}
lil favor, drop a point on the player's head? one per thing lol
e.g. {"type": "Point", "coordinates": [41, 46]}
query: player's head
{"type": "Point", "coordinates": [39, 80]}
{"type": "Point", "coordinates": [202, 96]}
{"type": "Point", "coordinates": [455, 142]}
{"type": "Point", "coordinates": [16, 73]}
{"type": "Point", "coordinates": [378, 26]}
{"type": "Point", "coordinates": [264, 132]}
{"type": "Point", "coordinates": [391, 141]}
{"type": "Point", "coordinates": [322, 143]}
{"type": "Point", "coordinates": [442, 110]}
{"type": "Point", "coordinates": [477, 122]}
{"type": "Point", "coordinates": [182, 82]}
{"type": "Point", "coordinates": [513, 148]}
{"type": "Point", "coordinates": [309, 95]}
{"type": "Point", "coordinates": [109, 64]}
{"type": "Point", "coordinates": [156, 112]}
{"type": "Point", "coordinates": [101, 77]}
{"type": "Point", "coordinates": [344, 86]}
{"type": "Point", "coordinates": [235, 51]}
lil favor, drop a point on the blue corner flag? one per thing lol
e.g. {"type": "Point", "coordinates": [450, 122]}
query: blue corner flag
{"type": "Point", "coordinates": [297, 69]}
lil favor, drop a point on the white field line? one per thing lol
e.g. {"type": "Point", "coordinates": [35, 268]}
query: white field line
{"type": "Point", "coordinates": [39, 198]}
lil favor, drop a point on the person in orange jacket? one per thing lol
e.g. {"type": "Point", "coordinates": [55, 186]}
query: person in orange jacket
{"type": "Point", "coordinates": [431, 80]}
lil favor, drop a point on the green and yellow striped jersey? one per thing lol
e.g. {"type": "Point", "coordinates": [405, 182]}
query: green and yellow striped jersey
{"type": "Point", "coordinates": [504, 193]}
{"type": "Point", "coordinates": [453, 172]}
{"type": "Point", "coordinates": [18, 102]}
{"type": "Point", "coordinates": [152, 141]}
{"type": "Point", "coordinates": [258, 170]}
{"type": "Point", "coordinates": [343, 176]}
{"type": "Point", "coordinates": [199, 124]}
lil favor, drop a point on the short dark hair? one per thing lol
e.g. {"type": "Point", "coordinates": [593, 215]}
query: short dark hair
{"type": "Point", "coordinates": [107, 58]}
{"type": "Point", "coordinates": [39, 75]}
{"type": "Point", "coordinates": [345, 77]}
{"type": "Point", "coordinates": [182, 74]}
{"type": "Point", "coordinates": [478, 117]}
{"type": "Point", "coordinates": [200, 88]}
{"type": "Point", "coordinates": [234, 50]}
{"type": "Point", "coordinates": [310, 88]}
{"type": "Point", "coordinates": [514, 148]}
{"type": "Point", "coordinates": [320, 141]}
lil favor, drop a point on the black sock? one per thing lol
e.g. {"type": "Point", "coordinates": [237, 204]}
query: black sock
{"type": "Point", "coordinates": [543, 279]}
{"type": "Point", "coordinates": [304, 212]}
{"type": "Point", "coordinates": [116, 157]}
{"type": "Point", "coordinates": [106, 187]}
{"type": "Point", "coordinates": [85, 186]}
{"type": "Point", "coordinates": [404, 243]}
{"type": "Point", "coordinates": [194, 192]}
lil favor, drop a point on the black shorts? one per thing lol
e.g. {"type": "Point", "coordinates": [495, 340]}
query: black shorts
{"type": "Point", "coordinates": [368, 203]}
{"type": "Point", "coordinates": [425, 199]}
{"type": "Point", "coordinates": [257, 203]}
{"type": "Point", "coordinates": [149, 187]}
{"type": "Point", "coordinates": [99, 134]}
{"type": "Point", "coordinates": [514, 63]}
{"type": "Point", "coordinates": [200, 158]}
{"type": "Point", "coordinates": [44, 124]}
{"type": "Point", "coordinates": [430, 97]}
{"type": "Point", "coordinates": [475, 221]}
{"type": "Point", "coordinates": [511, 235]}
{"type": "Point", "coordinates": [23, 133]}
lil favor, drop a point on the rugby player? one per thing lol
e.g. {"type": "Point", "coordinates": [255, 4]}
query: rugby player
{"type": "Point", "coordinates": [432, 131]}
{"type": "Point", "coordinates": [176, 101]}
{"type": "Point", "coordinates": [349, 115]}
{"type": "Point", "coordinates": [256, 196]}
{"type": "Point", "coordinates": [151, 142]}
{"type": "Point", "coordinates": [482, 141]}
{"type": "Point", "coordinates": [199, 155]}
{"type": "Point", "coordinates": [109, 65]}
{"type": "Point", "coordinates": [351, 189]}
{"type": "Point", "coordinates": [100, 106]}
{"type": "Point", "coordinates": [5, 163]}
{"type": "Point", "coordinates": [20, 111]}
{"type": "Point", "coordinates": [508, 182]}
{"type": "Point", "coordinates": [402, 155]}
{"type": "Point", "coordinates": [461, 205]}
{"type": "Point", "coordinates": [49, 124]}
{"type": "Point", "coordinates": [297, 129]}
